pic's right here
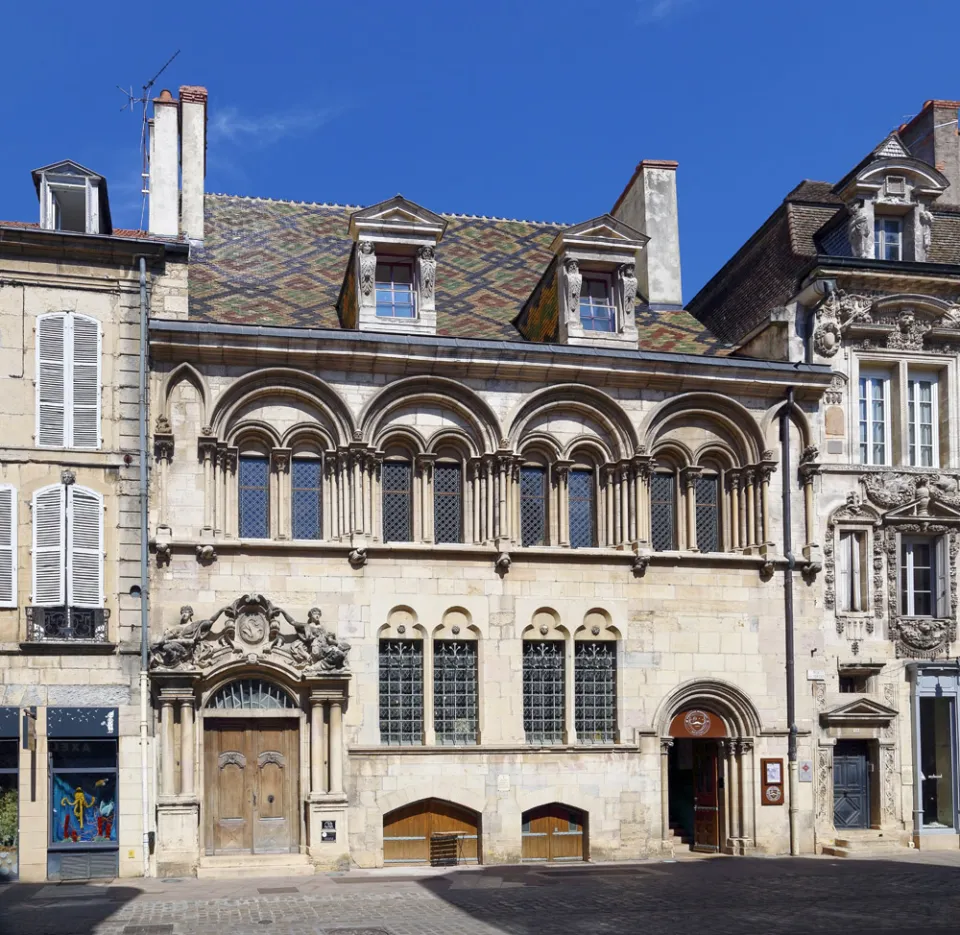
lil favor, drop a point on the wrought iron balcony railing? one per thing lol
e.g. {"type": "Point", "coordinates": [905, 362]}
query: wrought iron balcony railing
{"type": "Point", "coordinates": [67, 624]}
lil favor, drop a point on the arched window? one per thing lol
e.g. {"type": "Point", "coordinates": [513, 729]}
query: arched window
{"type": "Point", "coordinates": [448, 501]}
{"type": "Point", "coordinates": [397, 483]}
{"type": "Point", "coordinates": [251, 694]}
{"type": "Point", "coordinates": [306, 496]}
{"type": "Point", "coordinates": [534, 518]}
{"type": "Point", "coordinates": [253, 480]}
{"type": "Point", "coordinates": [582, 497]}
{"type": "Point", "coordinates": [708, 512]}
{"type": "Point", "coordinates": [663, 511]}
{"type": "Point", "coordinates": [68, 381]}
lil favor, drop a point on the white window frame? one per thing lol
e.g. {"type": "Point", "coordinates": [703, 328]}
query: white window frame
{"type": "Point", "coordinates": [8, 548]}
{"type": "Point", "coordinates": [614, 305]}
{"type": "Point", "coordinates": [913, 425]}
{"type": "Point", "coordinates": [68, 399]}
{"type": "Point", "coordinates": [67, 548]}
{"type": "Point", "coordinates": [866, 448]}
{"type": "Point", "coordinates": [880, 236]}
{"type": "Point", "coordinates": [853, 577]}
{"type": "Point", "coordinates": [411, 264]}
{"type": "Point", "coordinates": [939, 575]}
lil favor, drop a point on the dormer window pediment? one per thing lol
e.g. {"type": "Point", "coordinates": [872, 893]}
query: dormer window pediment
{"type": "Point", "coordinates": [390, 282]}
{"type": "Point", "coordinates": [72, 198]}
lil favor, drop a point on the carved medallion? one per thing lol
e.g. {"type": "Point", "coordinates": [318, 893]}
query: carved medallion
{"type": "Point", "coordinates": [697, 722]}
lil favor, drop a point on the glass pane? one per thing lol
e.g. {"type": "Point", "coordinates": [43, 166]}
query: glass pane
{"type": "Point", "coordinates": [448, 503]}
{"type": "Point", "coordinates": [455, 691]}
{"type": "Point", "coordinates": [254, 474]}
{"type": "Point", "coordinates": [533, 505]}
{"type": "Point", "coordinates": [397, 513]}
{"type": "Point", "coordinates": [662, 513]}
{"type": "Point", "coordinates": [543, 690]}
{"type": "Point", "coordinates": [595, 679]}
{"type": "Point", "coordinates": [9, 822]}
{"type": "Point", "coordinates": [307, 500]}
{"type": "Point", "coordinates": [937, 759]}
{"type": "Point", "coordinates": [708, 514]}
{"type": "Point", "coordinates": [84, 807]}
{"type": "Point", "coordinates": [83, 754]}
{"type": "Point", "coordinates": [581, 495]}
{"type": "Point", "coordinates": [401, 691]}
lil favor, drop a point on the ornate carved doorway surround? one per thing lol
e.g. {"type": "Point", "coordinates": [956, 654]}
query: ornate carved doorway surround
{"type": "Point", "coordinates": [270, 693]}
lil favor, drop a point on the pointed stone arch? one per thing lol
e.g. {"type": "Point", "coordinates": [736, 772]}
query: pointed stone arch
{"type": "Point", "coordinates": [185, 372]}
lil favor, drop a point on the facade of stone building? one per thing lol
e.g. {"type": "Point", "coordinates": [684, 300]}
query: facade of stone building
{"type": "Point", "coordinates": [864, 275]}
{"type": "Point", "coordinates": [467, 545]}
{"type": "Point", "coordinates": [70, 749]}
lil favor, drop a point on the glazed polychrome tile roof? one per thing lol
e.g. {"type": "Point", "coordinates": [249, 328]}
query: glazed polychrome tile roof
{"type": "Point", "coordinates": [282, 263]}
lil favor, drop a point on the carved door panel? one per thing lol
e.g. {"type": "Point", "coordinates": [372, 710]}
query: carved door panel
{"type": "Point", "coordinates": [706, 800]}
{"type": "Point", "coordinates": [228, 780]}
{"type": "Point", "coordinates": [274, 793]}
{"type": "Point", "coordinates": [851, 785]}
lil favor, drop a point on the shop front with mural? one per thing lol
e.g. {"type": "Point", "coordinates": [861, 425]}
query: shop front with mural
{"type": "Point", "coordinates": [9, 795]}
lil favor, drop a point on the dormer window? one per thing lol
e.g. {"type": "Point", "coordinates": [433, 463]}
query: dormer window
{"type": "Point", "coordinates": [888, 239]}
{"type": "Point", "coordinates": [396, 297]}
{"type": "Point", "coordinates": [72, 198]}
{"type": "Point", "coordinates": [598, 310]}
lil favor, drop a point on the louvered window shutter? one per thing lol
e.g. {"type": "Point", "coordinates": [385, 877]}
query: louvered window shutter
{"type": "Point", "coordinates": [84, 548]}
{"type": "Point", "coordinates": [51, 380]}
{"type": "Point", "coordinates": [48, 529]}
{"type": "Point", "coordinates": [942, 571]}
{"type": "Point", "coordinates": [85, 382]}
{"type": "Point", "coordinates": [8, 547]}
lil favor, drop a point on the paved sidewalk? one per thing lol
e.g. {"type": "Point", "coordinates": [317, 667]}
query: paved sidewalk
{"type": "Point", "coordinates": [813, 896]}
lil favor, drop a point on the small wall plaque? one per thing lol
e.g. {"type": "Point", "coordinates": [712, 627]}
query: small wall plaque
{"type": "Point", "coordinates": [771, 782]}
{"type": "Point", "coordinates": [328, 831]}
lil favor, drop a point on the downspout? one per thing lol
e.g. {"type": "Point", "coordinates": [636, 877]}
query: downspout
{"type": "Point", "coordinates": [788, 621]}
{"type": "Point", "coordinates": [144, 575]}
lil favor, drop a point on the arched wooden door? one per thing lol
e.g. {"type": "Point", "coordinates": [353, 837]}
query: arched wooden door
{"type": "Point", "coordinates": [553, 833]}
{"type": "Point", "coordinates": [431, 832]}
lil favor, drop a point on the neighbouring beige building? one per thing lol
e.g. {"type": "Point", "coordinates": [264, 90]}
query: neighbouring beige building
{"type": "Point", "coordinates": [864, 276]}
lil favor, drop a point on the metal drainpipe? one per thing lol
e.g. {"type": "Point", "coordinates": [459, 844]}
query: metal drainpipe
{"type": "Point", "coordinates": [144, 575]}
{"type": "Point", "coordinates": [788, 620]}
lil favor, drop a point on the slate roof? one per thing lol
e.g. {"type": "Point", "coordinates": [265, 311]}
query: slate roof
{"type": "Point", "coordinates": [282, 263]}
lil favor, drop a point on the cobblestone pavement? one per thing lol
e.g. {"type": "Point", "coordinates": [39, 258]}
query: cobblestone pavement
{"type": "Point", "coordinates": [712, 896]}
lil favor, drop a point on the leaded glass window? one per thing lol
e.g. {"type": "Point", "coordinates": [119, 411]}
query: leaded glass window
{"type": "Point", "coordinates": [401, 691]}
{"type": "Point", "coordinates": [708, 514]}
{"type": "Point", "coordinates": [595, 687]}
{"type": "Point", "coordinates": [397, 482]}
{"type": "Point", "coordinates": [254, 482]}
{"type": "Point", "coordinates": [663, 512]}
{"type": "Point", "coordinates": [543, 690]}
{"type": "Point", "coordinates": [455, 691]}
{"type": "Point", "coordinates": [581, 495]}
{"type": "Point", "coordinates": [251, 694]}
{"type": "Point", "coordinates": [448, 503]}
{"type": "Point", "coordinates": [533, 505]}
{"type": "Point", "coordinates": [307, 498]}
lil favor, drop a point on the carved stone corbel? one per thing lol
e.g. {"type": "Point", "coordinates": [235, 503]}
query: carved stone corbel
{"type": "Point", "coordinates": [367, 273]}
{"type": "Point", "coordinates": [641, 561]}
{"type": "Point", "coordinates": [206, 553]}
{"type": "Point", "coordinates": [427, 276]}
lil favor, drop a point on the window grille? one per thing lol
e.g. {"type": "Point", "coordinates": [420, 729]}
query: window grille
{"type": "Point", "coordinates": [455, 691]}
{"type": "Point", "coordinates": [307, 499]}
{"type": "Point", "coordinates": [595, 681]}
{"type": "Point", "coordinates": [251, 694]}
{"type": "Point", "coordinates": [397, 496]}
{"type": "Point", "coordinates": [543, 690]}
{"type": "Point", "coordinates": [581, 495]}
{"type": "Point", "coordinates": [254, 482]}
{"type": "Point", "coordinates": [708, 514]}
{"type": "Point", "coordinates": [448, 503]}
{"type": "Point", "coordinates": [533, 505]}
{"type": "Point", "coordinates": [401, 691]}
{"type": "Point", "coordinates": [597, 309]}
{"type": "Point", "coordinates": [395, 290]}
{"type": "Point", "coordinates": [663, 512]}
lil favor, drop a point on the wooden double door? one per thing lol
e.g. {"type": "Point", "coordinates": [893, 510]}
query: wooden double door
{"type": "Point", "coordinates": [552, 833]}
{"type": "Point", "coordinates": [250, 777]}
{"type": "Point", "coordinates": [431, 833]}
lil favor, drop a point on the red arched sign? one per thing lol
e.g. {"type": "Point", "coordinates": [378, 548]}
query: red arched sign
{"type": "Point", "coordinates": [697, 723]}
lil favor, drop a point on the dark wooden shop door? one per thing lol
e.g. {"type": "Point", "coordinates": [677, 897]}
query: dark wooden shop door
{"type": "Point", "coordinates": [706, 797]}
{"type": "Point", "coordinates": [851, 785]}
{"type": "Point", "coordinates": [251, 781]}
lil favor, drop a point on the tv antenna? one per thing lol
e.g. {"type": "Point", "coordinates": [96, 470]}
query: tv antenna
{"type": "Point", "coordinates": [143, 100]}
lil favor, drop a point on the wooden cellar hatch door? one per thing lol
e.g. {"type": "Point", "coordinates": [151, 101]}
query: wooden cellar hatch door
{"type": "Point", "coordinates": [552, 833]}
{"type": "Point", "coordinates": [250, 772]}
{"type": "Point", "coordinates": [431, 833]}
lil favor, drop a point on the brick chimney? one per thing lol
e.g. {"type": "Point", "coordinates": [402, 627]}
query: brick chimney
{"type": "Point", "coordinates": [164, 174]}
{"type": "Point", "coordinates": [178, 155]}
{"type": "Point", "coordinates": [649, 204]}
{"type": "Point", "coordinates": [932, 136]}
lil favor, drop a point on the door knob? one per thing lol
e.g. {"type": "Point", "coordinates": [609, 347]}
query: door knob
{"type": "Point", "coordinates": [270, 799]}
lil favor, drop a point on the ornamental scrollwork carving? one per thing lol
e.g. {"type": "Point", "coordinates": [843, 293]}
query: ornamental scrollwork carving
{"type": "Point", "coordinates": [827, 339]}
{"type": "Point", "coordinates": [574, 282]}
{"type": "Point", "coordinates": [231, 758]}
{"type": "Point", "coordinates": [367, 262]}
{"type": "Point", "coordinates": [252, 628]}
{"type": "Point", "coordinates": [888, 767]}
{"type": "Point", "coordinates": [628, 279]}
{"type": "Point", "coordinates": [824, 777]}
{"type": "Point", "coordinates": [271, 757]}
{"type": "Point", "coordinates": [909, 332]}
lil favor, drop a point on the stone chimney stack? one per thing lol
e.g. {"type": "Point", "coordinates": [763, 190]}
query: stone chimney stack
{"type": "Point", "coordinates": [164, 167]}
{"type": "Point", "coordinates": [193, 159]}
{"type": "Point", "coordinates": [932, 136]}
{"type": "Point", "coordinates": [649, 204]}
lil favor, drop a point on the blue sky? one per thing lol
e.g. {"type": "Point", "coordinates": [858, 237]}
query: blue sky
{"type": "Point", "coordinates": [514, 108]}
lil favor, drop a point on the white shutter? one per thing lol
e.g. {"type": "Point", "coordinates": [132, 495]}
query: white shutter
{"type": "Point", "coordinates": [48, 525]}
{"type": "Point", "coordinates": [8, 546]}
{"type": "Point", "coordinates": [51, 380]}
{"type": "Point", "coordinates": [85, 382]}
{"type": "Point", "coordinates": [856, 582]}
{"type": "Point", "coordinates": [843, 577]}
{"type": "Point", "coordinates": [84, 548]}
{"type": "Point", "coordinates": [942, 572]}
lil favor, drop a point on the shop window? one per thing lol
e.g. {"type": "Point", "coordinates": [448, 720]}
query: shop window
{"type": "Point", "coordinates": [937, 759]}
{"type": "Point", "coordinates": [83, 793]}
{"type": "Point", "coordinates": [9, 810]}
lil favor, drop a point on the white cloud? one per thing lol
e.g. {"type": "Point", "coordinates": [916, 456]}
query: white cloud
{"type": "Point", "coordinates": [656, 11]}
{"type": "Point", "coordinates": [229, 125]}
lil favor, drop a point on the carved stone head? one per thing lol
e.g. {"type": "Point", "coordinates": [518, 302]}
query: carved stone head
{"type": "Point", "coordinates": [366, 247]}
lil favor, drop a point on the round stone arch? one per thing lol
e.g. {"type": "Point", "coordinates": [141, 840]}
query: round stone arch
{"type": "Point", "coordinates": [731, 704]}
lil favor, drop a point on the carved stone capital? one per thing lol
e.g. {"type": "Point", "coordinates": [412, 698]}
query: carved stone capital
{"type": "Point", "coordinates": [207, 448]}
{"type": "Point", "coordinates": [163, 447]}
{"type": "Point", "coordinates": [690, 475]}
{"type": "Point", "coordinates": [280, 459]}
